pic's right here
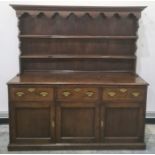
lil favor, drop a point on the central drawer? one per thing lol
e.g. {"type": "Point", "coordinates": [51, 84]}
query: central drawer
{"type": "Point", "coordinates": [77, 94]}
{"type": "Point", "coordinates": [31, 93]}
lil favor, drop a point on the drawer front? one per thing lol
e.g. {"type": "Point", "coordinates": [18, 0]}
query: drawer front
{"type": "Point", "coordinates": [123, 93]}
{"type": "Point", "coordinates": [31, 93]}
{"type": "Point", "coordinates": [77, 94]}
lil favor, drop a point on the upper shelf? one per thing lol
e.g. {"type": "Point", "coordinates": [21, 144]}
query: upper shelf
{"type": "Point", "coordinates": [76, 37]}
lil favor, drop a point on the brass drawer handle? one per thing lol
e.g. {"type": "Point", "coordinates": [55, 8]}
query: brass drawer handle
{"type": "Point", "coordinates": [77, 89]}
{"type": "Point", "coordinates": [135, 94]}
{"type": "Point", "coordinates": [123, 90]}
{"type": "Point", "coordinates": [44, 94]}
{"type": "Point", "coordinates": [31, 90]}
{"type": "Point", "coordinates": [111, 93]}
{"type": "Point", "coordinates": [89, 93]}
{"type": "Point", "coordinates": [19, 94]}
{"type": "Point", "coordinates": [66, 93]}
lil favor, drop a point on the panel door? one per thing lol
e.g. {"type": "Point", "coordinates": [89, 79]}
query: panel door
{"type": "Point", "coordinates": [122, 122]}
{"type": "Point", "coordinates": [34, 122]}
{"type": "Point", "coordinates": [77, 122]}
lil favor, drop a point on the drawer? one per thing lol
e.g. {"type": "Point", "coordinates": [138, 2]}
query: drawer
{"type": "Point", "coordinates": [124, 93]}
{"type": "Point", "coordinates": [77, 94]}
{"type": "Point", "coordinates": [25, 93]}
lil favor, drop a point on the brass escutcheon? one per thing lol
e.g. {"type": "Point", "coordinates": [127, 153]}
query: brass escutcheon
{"type": "Point", "coordinates": [89, 93]}
{"type": "Point", "coordinates": [111, 93]}
{"type": "Point", "coordinates": [66, 93]}
{"type": "Point", "coordinates": [135, 94]}
{"type": "Point", "coordinates": [123, 90]}
{"type": "Point", "coordinates": [43, 94]}
{"type": "Point", "coordinates": [19, 93]}
{"type": "Point", "coordinates": [31, 89]}
{"type": "Point", "coordinates": [77, 89]}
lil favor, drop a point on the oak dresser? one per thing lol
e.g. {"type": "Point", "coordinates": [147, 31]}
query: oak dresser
{"type": "Point", "coordinates": [77, 87]}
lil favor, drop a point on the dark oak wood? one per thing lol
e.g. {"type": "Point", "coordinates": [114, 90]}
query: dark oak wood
{"type": "Point", "coordinates": [77, 87]}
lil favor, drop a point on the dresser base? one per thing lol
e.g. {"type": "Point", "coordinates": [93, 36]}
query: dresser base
{"type": "Point", "coordinates": [62, 146]}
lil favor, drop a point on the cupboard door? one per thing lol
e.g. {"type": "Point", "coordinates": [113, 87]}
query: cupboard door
{"type": "Point", "coordinates": [122, 122]}
{"type": "Point", "coordinates": [34, 122]}
{"type": "Point", "coordinates": [77, 122]}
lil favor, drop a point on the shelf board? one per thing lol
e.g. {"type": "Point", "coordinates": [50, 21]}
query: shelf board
{"type": "Point", "coordinates": [76, 37]}
{"type": "Point", "coordinates": [76, 57]}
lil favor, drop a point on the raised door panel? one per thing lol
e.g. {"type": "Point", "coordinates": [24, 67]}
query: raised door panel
{"type": "Point", "coordinates": [77, 122]}
{"type": "Point", "coordinates": [122, 122]}
{"type": "Point", "coordinates": [34, 122]}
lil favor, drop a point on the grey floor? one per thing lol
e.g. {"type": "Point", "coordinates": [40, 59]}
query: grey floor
{"type": "Point", "coordinates": [149, 138]}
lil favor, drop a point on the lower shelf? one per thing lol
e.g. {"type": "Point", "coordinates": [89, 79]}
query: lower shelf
{"type": "Point", "coordinates": [67, 146]}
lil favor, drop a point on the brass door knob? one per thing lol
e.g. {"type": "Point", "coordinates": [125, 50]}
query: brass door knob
{"type": "Point", "coordinates": [111, 93]}
{"type": "Point", "coordinates": [102, 124]}
{"type": "Point", "coordinates": [53, 124]}
{"type": "Point", "coordinates": [66, 93]}
{"type": "Point", "coordinates": [44, 94]}
{"type": "Point", "coordinates": [19, 94]}
{"type": "Point", "coordinates": [89, 93]}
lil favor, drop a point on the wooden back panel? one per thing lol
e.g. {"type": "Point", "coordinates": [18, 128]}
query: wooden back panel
{"type": "Point", "coordinates": [77, 64]}
{"type": "Point", "coordinates": [61, 46]}
{"type": "Point", "coordinates": [74, 25]}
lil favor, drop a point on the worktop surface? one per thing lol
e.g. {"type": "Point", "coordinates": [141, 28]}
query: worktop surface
{"type": "Point", "coordinates": [73, 77]}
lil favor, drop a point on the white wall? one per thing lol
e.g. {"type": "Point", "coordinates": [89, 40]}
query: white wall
{"type": "Point", "coordinates": [9, 51]}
